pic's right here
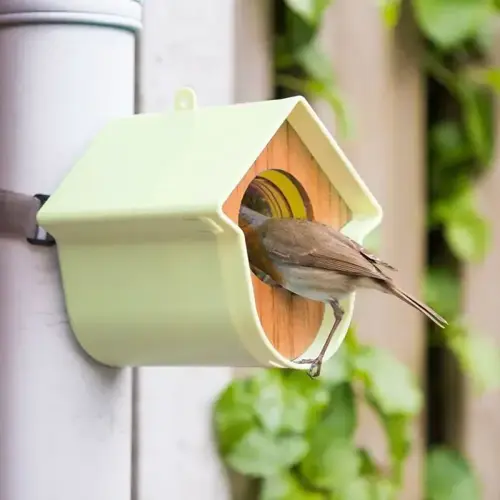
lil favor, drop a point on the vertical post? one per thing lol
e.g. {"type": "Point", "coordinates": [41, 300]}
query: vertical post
{"type": "Point", "coordinates": [182, 45]}
{"type": "Point", "coordinates": [388, 149]}
{"type": "Point", "coordinates": [480, 416]}
{"type": "Point", "coordinates": [66, 68]}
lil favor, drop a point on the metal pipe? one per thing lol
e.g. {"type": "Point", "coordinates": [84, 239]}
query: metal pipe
{"type": "Point", "coordinates": [66, 68]}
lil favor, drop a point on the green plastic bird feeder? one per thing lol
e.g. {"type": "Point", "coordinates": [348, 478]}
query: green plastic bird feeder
{"type": "Point", "coordinates": [153, 262]}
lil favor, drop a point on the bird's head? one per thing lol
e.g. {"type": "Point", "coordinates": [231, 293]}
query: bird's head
{"type": "Point", "coordinates": [249, 217]}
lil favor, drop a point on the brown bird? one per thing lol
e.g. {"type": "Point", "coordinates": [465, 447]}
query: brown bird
{"type": "Point", "coordinates": [317, 262]}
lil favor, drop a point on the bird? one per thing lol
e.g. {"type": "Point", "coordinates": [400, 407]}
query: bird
{"type": "Point", "coordinates": [317, 262]}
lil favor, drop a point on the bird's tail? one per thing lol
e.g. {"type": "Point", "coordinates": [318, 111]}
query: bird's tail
{"type": "Point", "coordinates": [420, 306]}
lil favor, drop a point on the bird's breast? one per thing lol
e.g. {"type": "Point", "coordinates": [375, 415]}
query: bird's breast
{"type": "Point", "coordinates": [315, 284]}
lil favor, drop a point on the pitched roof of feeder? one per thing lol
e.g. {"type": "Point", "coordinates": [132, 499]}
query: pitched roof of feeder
{"type": "Point", "coordinates": [212, 148]}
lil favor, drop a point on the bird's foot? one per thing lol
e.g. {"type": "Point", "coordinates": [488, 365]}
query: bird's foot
{"type": "Point", "coordinates": [315, 368]}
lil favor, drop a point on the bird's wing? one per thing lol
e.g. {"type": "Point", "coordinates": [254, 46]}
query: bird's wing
{"type": "Point", "coordinates": [298, 242]}
{"type": "Point", "coordinates": [372, 258]}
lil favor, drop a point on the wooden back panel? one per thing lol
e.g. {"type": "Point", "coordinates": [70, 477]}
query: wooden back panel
{"type": "Point", "coordinates": [291, 322]}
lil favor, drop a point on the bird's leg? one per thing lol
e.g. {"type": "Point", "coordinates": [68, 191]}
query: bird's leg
{"type": "Point", "coordinates": [316, 363]}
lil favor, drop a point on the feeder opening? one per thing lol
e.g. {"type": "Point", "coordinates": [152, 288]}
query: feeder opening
{"type": "Point", "coordinates": [290, 322]}
{"type": "Point", "coordinates": [277, 193]}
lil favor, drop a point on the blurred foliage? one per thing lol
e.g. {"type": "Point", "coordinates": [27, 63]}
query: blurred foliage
{"type": "Point", "coordinates": [296, 435]}
{"type": "Point", "coordinates": [449, 477]}
{"type": "Point", "coordinates": [301, 65]}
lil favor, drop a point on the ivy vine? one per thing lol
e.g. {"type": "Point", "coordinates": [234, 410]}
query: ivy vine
{"type": "Point", "coordinates": [295, 436]}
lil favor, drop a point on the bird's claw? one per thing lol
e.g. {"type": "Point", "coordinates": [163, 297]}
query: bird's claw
{"type": "Point", "coordinates": [315, 368]}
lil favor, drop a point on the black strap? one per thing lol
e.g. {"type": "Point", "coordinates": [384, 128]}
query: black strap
{"type": "Point", "coordinates": [18, 217]}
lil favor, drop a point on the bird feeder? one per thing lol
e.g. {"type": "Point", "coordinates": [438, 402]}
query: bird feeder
{"type": "Point", "coordinates": [153, 261]}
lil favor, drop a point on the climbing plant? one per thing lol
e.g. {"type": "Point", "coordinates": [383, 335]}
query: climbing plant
{"type": "Point", "coordinates": [295, 436]}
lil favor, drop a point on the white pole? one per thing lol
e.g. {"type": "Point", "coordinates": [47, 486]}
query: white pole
{"type": "Point", "coordinates": [66, 68]}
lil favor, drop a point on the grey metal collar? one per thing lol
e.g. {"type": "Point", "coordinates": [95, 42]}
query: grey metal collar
{"type": "Point", "coordinates": [18, 217]}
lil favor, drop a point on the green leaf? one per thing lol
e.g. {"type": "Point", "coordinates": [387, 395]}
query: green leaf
{"type": "Point", "coordinates": [478, 356]}
{"type": "Point", "coordinates": [337, 369]}
{"type": "Point", "coordinates": [368, 464]}
{"type": "Point", "coordinates": [331, 464]}
{"type": "Point", "coordinates": [442, 291]}
{"type": "Point", "coordinates": [234, 413]}
{"type": "Point", "coordinates": [284, 58]}
{"type": "Point", "coordinates": [389, 382]}
{"type": "Point", "coordinates": [316, 63]}
{"type": "Point", "coordinates": [383, 489]}
{"type": "Point", "coordinates": [447, 142]}
{"type": "Point", "coordinates": [320, 81]}
{"type": "Point", "coordinates": [398, 430]}
{"type": "Point", "coordinates": [269, 403]}
{"type": "Point", "coordinates": [466, 232]}
{"type": "Point", "coordinates": [489, 76]}
{"type": "Point", "coordinates": [304, 400]}
{"type": "Point", "coordinates": [468, 235]}
{"type": "Point", "coordinates": [285, 486]}
{"type": "Point", "coordinates": [333, 461]}
{"type": "Point", "coordinates": [462, 202]}
{"type": "Point", "coordinates": [391, 10]}
{"type": "Point", "coordinates": [328, 93]}
{"type": "Point", "coordinates": [449, 477]}
{"type": "Point", "coordinates": [260, 454]}
{"type": "Point", "coordinates": [437, 67]}
{"type": "Point", "coordinates": [310, 10]}
{"type": "Point", "coordinates": [331, 95]}
{"type": "Point", "coordinates": [339, 420]}
{"type": "Point", "coordinates": [449, 148]}
{"type": "Point", "coordinates": [485, 37]}
{"type": "Point", "coordinates": [359, 489]}
{"type": "Point", "coordinates": [477, 109]}
{"type": "Point", "coordinates": [298, 33]}
{"type": "Point", "coordinates": [363, 488]}
{"type": "Point", "coordinates": [449, 23]}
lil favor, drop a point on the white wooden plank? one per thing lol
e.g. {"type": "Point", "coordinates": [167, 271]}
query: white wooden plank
{"type": "Point", "coordinates": [480, 421]}
{"type": "Point", "coordinates": [481, 414]}
{"type": "Point", "coordinates": [187, 44]}
{"type": "Point", "coordinates": [254, 51]}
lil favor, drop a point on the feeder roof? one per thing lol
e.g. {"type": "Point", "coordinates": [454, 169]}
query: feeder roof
{"type": "Point", "coordinates": [184, 161]}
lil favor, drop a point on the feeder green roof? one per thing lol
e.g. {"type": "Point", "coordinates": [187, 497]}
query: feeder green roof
{"type": "Point", "coordinates": [193, 159]}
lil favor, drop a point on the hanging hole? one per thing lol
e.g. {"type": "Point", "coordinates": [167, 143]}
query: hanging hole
{"type": "Point", "coordinates": [185, 99]}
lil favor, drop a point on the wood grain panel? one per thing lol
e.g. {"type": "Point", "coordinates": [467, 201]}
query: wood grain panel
{"type": "Point", "coordinates": [291, 322]}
